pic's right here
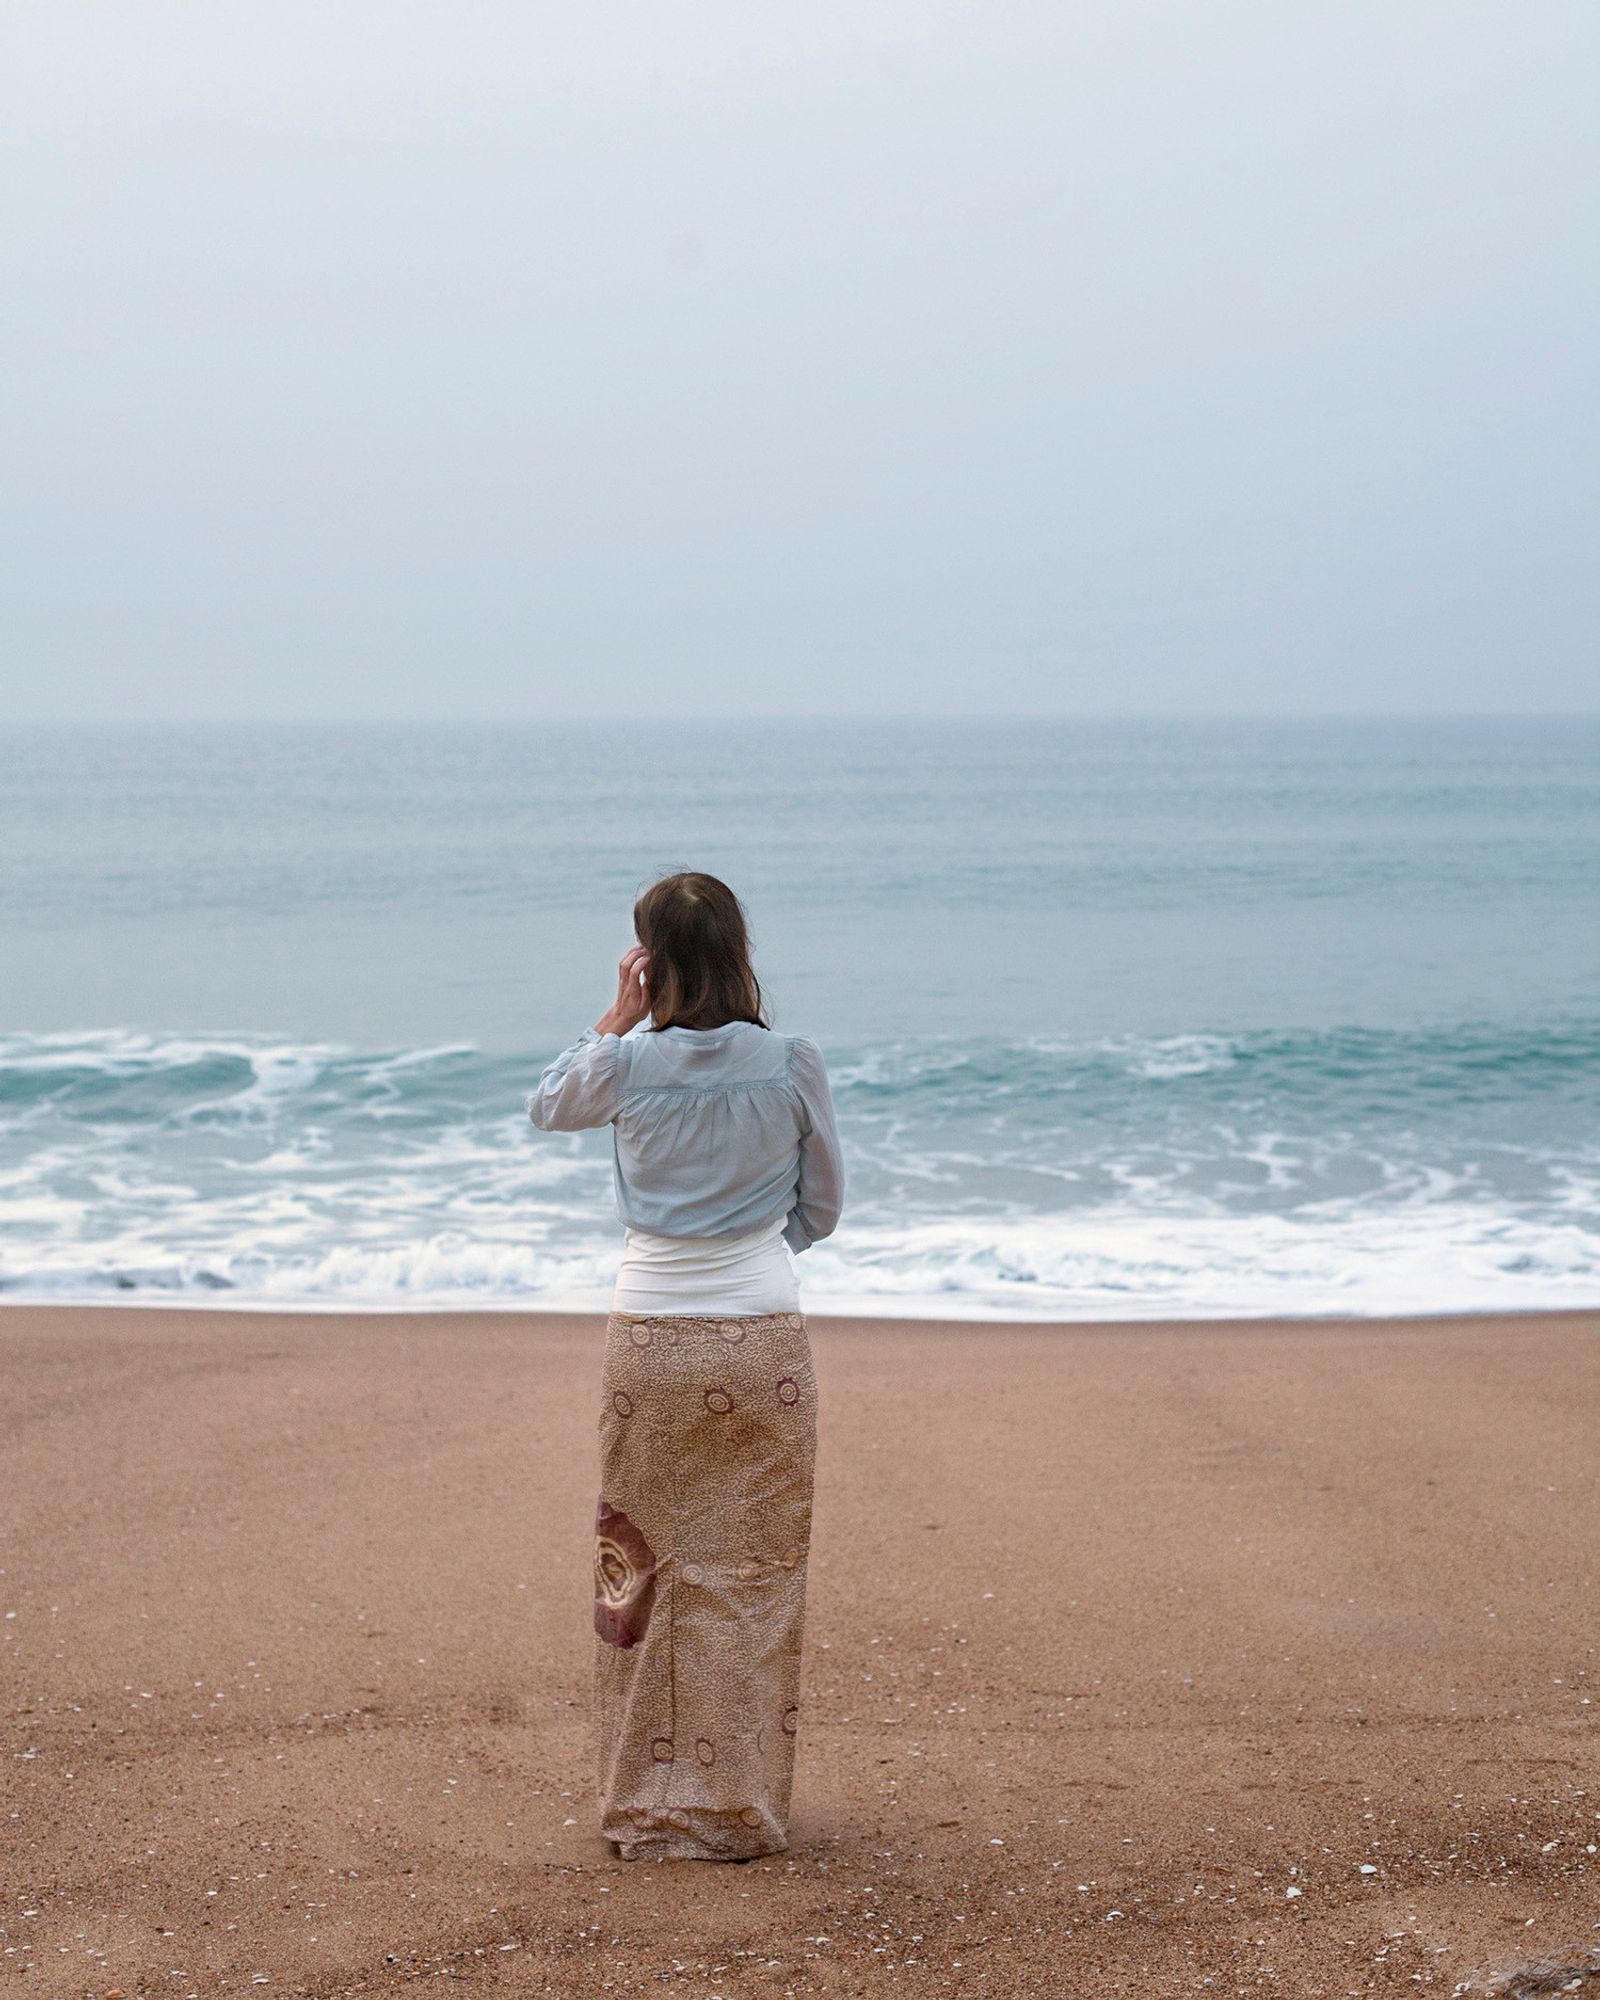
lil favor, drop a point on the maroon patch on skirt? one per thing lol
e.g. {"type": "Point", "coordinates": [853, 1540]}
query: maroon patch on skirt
{"type": "Point", "coordinates": [624, 1578]}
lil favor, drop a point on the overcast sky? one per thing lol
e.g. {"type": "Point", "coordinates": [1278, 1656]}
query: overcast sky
{"type": "Point", "coordinates": [790, 356]}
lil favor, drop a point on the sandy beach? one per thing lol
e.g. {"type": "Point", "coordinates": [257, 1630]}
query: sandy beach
{"type": "Point", "coordinates": [1144, 1660]}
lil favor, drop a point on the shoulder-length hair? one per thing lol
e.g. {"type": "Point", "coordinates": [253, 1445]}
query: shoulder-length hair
{"type": "Point", "coordinates": [694, 928]}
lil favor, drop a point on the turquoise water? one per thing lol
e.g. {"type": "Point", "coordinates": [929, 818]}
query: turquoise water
{"type": "Point", "coordinates": [1124, 1018]}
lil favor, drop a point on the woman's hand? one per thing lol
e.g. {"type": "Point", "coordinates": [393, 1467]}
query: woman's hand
{"type": "Point", "coordinates": [633, 994]}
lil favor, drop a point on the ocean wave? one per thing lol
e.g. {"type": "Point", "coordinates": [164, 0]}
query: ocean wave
{"type": "Point", "coordinates": [1123, 1266]}
{"type": "Point", "coordinates": [1193, 1174]}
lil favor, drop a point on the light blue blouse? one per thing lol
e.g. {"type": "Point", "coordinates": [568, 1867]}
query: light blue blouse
{"type": "Point", "coordinates": [716, 1131]}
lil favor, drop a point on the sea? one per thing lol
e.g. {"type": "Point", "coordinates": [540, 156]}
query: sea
{"type": "Point", "coordinates": [1125, 1019]}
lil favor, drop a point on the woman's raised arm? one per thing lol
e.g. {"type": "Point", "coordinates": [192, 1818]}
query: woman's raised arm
{"type": "Point", "coordinates": [580, 1087]}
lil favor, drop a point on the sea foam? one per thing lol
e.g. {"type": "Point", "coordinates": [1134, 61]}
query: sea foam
{"type": "Point", "coordinates": [1111, 1178]}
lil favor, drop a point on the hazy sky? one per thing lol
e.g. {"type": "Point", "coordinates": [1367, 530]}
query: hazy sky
{"type": "Point", "coordinates": [785, 355]}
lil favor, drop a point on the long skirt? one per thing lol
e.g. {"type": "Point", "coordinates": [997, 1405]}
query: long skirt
{"type": "Point", "coordinates": [708, 1433]}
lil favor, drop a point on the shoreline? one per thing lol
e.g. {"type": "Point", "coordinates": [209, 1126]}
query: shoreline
{"type": "Point", "coordinates": [1142, 1659]}
{"type": "Point", "coordinates": [492, 1314]}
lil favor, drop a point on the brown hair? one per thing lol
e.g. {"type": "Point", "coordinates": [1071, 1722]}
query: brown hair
{"type": "Point", "coordinates": [693, 927]}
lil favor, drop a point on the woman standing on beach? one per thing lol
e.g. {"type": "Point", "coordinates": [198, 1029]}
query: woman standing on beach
{"type": "Point", "coordinates": [726, 1158]}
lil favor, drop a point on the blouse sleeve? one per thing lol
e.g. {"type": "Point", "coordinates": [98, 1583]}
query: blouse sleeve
{"type": "Point", "coordinates": [580, 1086]}
{"type": "Point", "coordinates": [821, 1192]}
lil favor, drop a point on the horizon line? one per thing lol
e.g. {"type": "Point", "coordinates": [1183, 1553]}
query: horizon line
{"type": "Point", "coordinates": [699, 719]}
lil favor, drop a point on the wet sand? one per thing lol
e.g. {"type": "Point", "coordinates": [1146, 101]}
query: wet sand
{"type": "Point", "coordinates": [1251, 1658]}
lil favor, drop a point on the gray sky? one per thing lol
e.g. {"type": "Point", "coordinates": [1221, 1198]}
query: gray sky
{"type": "Point", "coordinates": [791, 356]}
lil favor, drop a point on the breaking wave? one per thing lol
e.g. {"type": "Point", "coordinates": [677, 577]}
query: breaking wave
{"type": "Point", "coordinates": [1203, 1174]}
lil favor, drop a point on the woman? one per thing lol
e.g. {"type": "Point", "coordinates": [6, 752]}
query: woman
{"type": "Point", "coordinates": [726, 1158]}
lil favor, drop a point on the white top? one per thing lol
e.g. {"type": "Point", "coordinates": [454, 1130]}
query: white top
{"type": "Point", "coordinates": [713, 1275]}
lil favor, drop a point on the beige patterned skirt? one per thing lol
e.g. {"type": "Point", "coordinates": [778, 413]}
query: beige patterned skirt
{"type": "Point", "coordinates": [708, 1431]}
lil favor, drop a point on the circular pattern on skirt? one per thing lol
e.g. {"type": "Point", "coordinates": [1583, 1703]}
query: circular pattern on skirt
{"type": "Point", "coordinates": [791, 1719]}
{"type": "Point", "coordinates": [750, 1817]}
{"type": "Point", "coordinates": [705, 1750]}
{"type": "Point", "coordinates": [788, 1391]}
{"type": "Point", "coordinates": [661, 1751]}
{"type": "Point", "coordinates": [622, 1403]}
{"type": "Point", "coordinates": [732, 1332]}
{"type": "Point", "coordinates": [692, 1573]}
{"type": "Point", "coordinates": [639, 1334]}
{"type": "Point", "coordinates": [718, 1402]}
